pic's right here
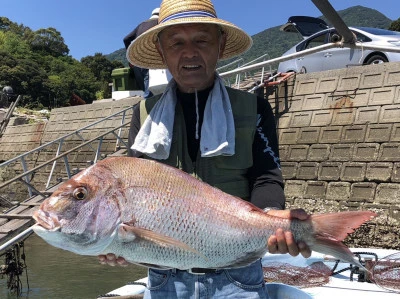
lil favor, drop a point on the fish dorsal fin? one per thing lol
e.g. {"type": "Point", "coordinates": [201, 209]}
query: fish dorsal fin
{"type": "Point", "coordinates": [129, 233]}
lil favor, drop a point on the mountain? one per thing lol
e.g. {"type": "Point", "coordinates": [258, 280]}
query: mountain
{"type": "Point", "coordinates": [119, 55]}
{"type": "Point", "coordinates": [274, 42]}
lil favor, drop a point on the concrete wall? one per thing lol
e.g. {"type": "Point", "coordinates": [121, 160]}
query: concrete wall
{"type": "Point", "coordinates": [339, 134]}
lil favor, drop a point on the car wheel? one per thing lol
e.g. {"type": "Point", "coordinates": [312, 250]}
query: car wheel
{"type": "Point", "coordinates": [376, 59]}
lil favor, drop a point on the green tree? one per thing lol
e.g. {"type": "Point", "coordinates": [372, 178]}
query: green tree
{"type": "Point", "coordinates": [24, 75]}
{"type": "Point", "coordinates": [102, 69]}
{"type": "Point", "coordinates": [49, 41]}
{"type": "Point", "coordinates": [395, 25]}
{"type": "Point", "coordinates": [13, 43]}
{"type": "Point", "coordinates": [37, 65]}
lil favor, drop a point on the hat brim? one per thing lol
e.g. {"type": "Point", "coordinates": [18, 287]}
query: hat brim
{"type": "Point", "coordinates": [142, 51]}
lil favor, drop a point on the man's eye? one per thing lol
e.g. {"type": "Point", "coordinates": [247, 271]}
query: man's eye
{"type": "Point", "coordinates": [176, 44]}
{"type": "Point", "coordinates": [202, 42]}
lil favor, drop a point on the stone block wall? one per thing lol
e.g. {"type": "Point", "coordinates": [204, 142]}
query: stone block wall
{"type": "Point", "coordinates": [69, 119]}
{"type": "Point", "coordinates": [16, 140]}
{"type": "Point", "coordinates": [339, 134]}
{"type": "Point", "coordinates": [19, 139]}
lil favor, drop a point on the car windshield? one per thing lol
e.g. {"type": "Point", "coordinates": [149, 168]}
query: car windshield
{"type": "Point", "coordinates": [378, 31]}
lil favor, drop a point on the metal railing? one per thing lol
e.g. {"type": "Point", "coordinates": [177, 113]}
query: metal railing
{"type": "Point", "coordinates": [240, 65]}
{"type": "Point", "coordinates": [61, 153]}
{"type": "Point", "coordinates": [237, 62]}
{"type": "Point", "coordinates": [339, 44]}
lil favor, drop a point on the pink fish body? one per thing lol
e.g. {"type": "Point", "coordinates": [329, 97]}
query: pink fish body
{"type": "Point", "coordinates": [155, 215]}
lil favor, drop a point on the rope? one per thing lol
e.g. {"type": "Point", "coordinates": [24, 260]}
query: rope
{"type": "Point", "coordinates": [362, 275]}
{"type": "Point", "coordinates": [13, 268]}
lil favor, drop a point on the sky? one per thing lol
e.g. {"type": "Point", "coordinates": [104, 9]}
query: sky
{"type": "Point", "coordinates": [98, 26]}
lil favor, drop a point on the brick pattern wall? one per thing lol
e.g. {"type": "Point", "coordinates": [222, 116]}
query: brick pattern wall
{"type": "Point", "coordinates": [339, 134]}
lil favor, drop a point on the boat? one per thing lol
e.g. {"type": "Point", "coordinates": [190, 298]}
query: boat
{"type": "Point", "coordinates": [348, 281]}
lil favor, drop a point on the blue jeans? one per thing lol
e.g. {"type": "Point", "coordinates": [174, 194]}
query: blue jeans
{"type": "Point", "coordinates": [246, 282]}
{"type": "Point", "coordinates": [142, 80]}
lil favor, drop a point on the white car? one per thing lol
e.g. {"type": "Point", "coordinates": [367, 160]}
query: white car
{"type": "Point", "coordinates": [316, 33]}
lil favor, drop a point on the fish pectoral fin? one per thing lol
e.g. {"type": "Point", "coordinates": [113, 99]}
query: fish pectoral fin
{"type": "Point", "coordinates": [130, 233]}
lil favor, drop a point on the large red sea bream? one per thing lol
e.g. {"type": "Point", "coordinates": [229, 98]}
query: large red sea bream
{"type": "Point", "coordinates": [159, 216]}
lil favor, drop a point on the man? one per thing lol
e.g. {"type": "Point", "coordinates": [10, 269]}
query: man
{"type": "Point", "coordinates": [223, 136]}
{"type": "Point", "coordinates": [142, 74]}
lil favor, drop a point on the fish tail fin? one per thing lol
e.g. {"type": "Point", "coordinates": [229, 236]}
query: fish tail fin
{"type": "Point", "coordinates": [331, 229]}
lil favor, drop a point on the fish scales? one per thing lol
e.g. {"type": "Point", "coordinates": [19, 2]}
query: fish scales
{"type": "Point", "coordinates": [157, 215]}
{"type": "Point", "coordinates": [196, 214]}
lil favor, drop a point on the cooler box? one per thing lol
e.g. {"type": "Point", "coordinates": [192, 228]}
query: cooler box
{"type": "Point", "coordinates": [123, 79]}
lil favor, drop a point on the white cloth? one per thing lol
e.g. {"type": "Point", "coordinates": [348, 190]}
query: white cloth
{"type": "Point", "coordinates": [217, 132]}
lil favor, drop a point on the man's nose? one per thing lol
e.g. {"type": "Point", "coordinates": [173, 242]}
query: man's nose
{"type": "Point", "coordinates": [191, 50]}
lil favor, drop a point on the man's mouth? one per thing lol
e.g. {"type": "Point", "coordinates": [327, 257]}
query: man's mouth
{"type": "Point", "coordinates": [191, 67]}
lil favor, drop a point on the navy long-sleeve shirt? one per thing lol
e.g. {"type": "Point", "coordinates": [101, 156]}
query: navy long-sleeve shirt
{"type": "Point", "coordinates": [265, 177]}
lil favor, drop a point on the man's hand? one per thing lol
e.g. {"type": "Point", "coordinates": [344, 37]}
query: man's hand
{"type": "Point", "coordinates": [111, 260]}
{"type": "Point", "coordinates": [283, 242]}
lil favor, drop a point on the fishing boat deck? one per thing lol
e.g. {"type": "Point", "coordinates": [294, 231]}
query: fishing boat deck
{"type": "Point", "coordinates": [339, 286]}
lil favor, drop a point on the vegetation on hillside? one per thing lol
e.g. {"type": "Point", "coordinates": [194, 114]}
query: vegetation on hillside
{"type": "Point", "coordinates": [36, 65]}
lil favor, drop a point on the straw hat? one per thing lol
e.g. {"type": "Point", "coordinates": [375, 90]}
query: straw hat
{"type": "Point", "coordinates": [142, 51]}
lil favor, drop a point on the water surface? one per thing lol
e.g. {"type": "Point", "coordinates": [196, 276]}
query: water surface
{"type": "Point", "coordinates": [55, 273]}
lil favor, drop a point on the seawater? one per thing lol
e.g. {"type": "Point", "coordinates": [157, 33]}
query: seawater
{"type": "Point", "coordinates": [55, 273]}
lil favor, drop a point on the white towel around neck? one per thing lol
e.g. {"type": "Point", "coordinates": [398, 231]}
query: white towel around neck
{"type": "Point", "coordinates": [217, 131]}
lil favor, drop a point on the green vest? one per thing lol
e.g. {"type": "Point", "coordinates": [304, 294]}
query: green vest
{"type": "Point", "coordinates": [227, 173]}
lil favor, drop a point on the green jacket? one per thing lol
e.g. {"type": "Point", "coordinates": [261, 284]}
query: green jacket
{"type": "Point", "coordinates": [227, 173]}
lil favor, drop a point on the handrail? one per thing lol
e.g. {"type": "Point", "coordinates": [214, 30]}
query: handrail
{"type": "Point", "coordinates": [251, 62]}
{"type": "Point", "coordinates": [16, 178]}
{"type": "Point", "coordinates": [279, 59]}
{"type": "Point", "coordinates": [116, 131]}
{"type": "Point", "coordinates": [21, 236]}
{"type": "Point", "coordinates": [257, 59]}
{"type": "Point", "coordinates": [238, 76]}
{"type": "Point", "coordinates": [7, 117]}
{"type": "Point", "coordinates": [230, 63]}
{"type": "Point", "coordinates": [123, 112]}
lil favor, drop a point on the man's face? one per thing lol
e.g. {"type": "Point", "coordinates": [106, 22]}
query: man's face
{"type": "Point", "coordinates": [191, 52]}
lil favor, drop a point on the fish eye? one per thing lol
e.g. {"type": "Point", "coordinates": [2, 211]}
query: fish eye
{"type": "Point", "coordinates": [80, 193]}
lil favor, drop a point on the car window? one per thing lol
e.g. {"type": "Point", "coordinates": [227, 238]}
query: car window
{"type": "Point", "coordinates": [308, 29]}
{"type": "Point", "coordinates": [315, 42]}
{"type": "Point", "coordinates": [334, 36]}
{"type": "Point", "coordinates": [361, 37]}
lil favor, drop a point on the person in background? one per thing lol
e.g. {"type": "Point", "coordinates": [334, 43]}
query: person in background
{"type": "Point", "coordinates": [142, 74]}
{"type": "Point", "coordinates": [223, 136]}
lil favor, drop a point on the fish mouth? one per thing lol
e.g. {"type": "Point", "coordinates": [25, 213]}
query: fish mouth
{"type": "Point", "coordinates": [46, 220]}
